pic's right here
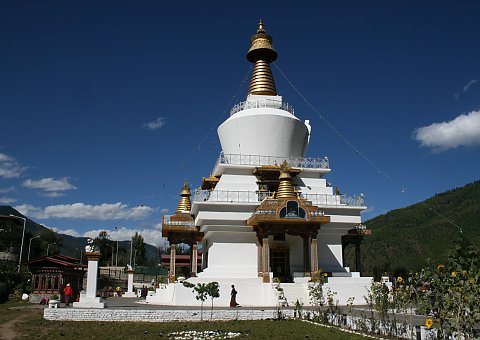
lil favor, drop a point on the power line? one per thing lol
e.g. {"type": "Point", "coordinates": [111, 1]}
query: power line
{"type": "Point", "coordinates": [358, 152]}
{"type": "Point", "coordinates": [197, 147]}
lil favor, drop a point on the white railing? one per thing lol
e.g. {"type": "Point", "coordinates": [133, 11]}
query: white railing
{"type": "Point", "coordinates": [262, 103]}
{"type": "Point", "coordinates": [168, 221]}
{"type": "Point", "coordinates": [231, 196]}
{"type": "Point", "coordinates": [242, 196]}
{"type": "Point", "coordinates": [259, 160]}
{"type": "Point", "coordinates": [335, 200]}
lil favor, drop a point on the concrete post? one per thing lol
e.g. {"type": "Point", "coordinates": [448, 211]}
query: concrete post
{"type": "Point", "coordinates": [130, 292]}
{"type": "Point", "coordinates": [90, 299]}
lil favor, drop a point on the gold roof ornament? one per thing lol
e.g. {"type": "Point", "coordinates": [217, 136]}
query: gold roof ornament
{"type": "Point", "coordinates": [185, 205]}
{"type": "Point", "coordinates": [285, 188]}
{"type": "Point", "coordinates": [261, 54]}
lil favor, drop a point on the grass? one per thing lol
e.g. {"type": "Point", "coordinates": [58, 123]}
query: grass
{"type": "Point", "coordinates": [30, 324]}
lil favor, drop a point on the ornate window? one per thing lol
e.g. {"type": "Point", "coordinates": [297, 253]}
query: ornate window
{"type": "Point", "coordinates": [292, 210]}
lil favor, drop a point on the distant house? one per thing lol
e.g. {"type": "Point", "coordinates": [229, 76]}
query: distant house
{"type": "Point", "coordinates": [50, 274]}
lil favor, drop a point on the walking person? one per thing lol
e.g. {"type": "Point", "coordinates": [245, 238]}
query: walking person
{"type": "Point", "coordinates": [67, 292]}
{"type": "Point", "coordinates": [233, 299]}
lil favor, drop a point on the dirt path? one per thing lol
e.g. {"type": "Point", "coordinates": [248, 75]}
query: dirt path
{"type": "Point", "coordinates": [7, 329]}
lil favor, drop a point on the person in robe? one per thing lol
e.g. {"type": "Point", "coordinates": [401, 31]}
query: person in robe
{"type": "Point", "coordinates": [67, 291]}
{"type": "Point", "coordinates": [233, 299]}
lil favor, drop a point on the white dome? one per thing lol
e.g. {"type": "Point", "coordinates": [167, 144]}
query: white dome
{"type": "Point", "coordinates": [264, 126]}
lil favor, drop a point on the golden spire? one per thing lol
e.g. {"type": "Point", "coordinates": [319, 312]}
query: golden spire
{"type": "Point", "coordinates": [261, 54]}
{"type": "Point", "coordinates": [185, 205]}
{"type": "Point", "coordinates": [285, 188]}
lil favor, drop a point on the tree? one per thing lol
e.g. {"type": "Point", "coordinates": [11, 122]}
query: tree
{"type": "Point", "coordinates": [138, 247]}
{"type": "Point", "coordinates": [49, 240]}
{"type": "Point", "coordinates": [105, 245]}
{"type": "Point", "coordinates": [213, 291]}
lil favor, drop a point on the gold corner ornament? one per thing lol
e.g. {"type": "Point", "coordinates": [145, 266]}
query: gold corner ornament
{"type": "Point", "coordinates": [184, 205]}
{"type": "Point", "coordinates": [261, 54]}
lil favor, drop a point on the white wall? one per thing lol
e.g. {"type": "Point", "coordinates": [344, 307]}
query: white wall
{"type": "Point", "coordinates": [231, 254]}
{"type": "Point", "coordinates": [237, 182]}
{"type": "Point", "coordinates": [330, 253]}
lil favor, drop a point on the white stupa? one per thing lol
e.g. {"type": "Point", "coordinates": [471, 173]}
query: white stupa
{"type": "Point", "coordinates": [266, 211]}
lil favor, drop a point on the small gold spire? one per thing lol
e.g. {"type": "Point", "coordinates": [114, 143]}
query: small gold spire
{"type": "Point", "coordinates": [285, 188]}
{"type": "Point", "coordinates": [261, 54]}
{"type": "Point", "coordinates": [260, 27]}
{"type": "Point", "coordinates": [185, 205]}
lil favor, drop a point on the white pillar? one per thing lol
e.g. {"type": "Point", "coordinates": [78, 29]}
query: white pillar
{"type": "Point", "coordinates": [90, 299]}
{"type": "Point", "coordinates": [130, 292]}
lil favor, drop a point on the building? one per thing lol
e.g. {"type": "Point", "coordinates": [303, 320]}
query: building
{"type": "Point", "coordinates": [50, 274]}
{"type": "Point", "coordinates": [267, 211]}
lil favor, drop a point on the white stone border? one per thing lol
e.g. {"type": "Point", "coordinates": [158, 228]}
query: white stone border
{"type": "Point", "coordinates": [161, 315]}
{"type": "Point", "coordinates": [342, 329]}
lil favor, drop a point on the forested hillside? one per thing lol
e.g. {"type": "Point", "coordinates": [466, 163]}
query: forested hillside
{"type": "Point", "coordinates": [403, 239]}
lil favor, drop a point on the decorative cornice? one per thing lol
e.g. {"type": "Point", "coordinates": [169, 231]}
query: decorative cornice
{"type": "Point", "coordinates": [93, 256]}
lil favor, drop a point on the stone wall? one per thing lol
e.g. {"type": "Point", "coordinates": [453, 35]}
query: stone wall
{"type": "Point", "coordinates": [156, 315]}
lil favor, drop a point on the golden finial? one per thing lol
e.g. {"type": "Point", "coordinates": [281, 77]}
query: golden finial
{"type": "Point", "coordinates": [260, 27]}
{"type": "Point", "coordinates": [285, 188]}
{"type": "Point", "coordinates": [185, 205]}
{"type": "Point", "coordinates": [261, 54]}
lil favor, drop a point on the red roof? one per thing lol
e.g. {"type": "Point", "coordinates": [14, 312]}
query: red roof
{"type": "Point", "coordinates": [55, 261]}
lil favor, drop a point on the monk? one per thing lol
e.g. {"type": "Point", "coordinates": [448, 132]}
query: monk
{"type": "Point", "coordinates": [233, 299]}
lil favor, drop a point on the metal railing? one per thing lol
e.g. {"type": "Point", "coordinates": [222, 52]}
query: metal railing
{"type": "Point", "coordinates": [168, 221]}
{"type": "Point", "coordinates": [262, 103]}
{"type": "Point", "coordinates": [231, 196]}
{"type": "Point", "coordinates": [335, 200]}
{"type": "Point", "coordinates": [243, 196]}
{"type": "Point", "coordinates": [259, 160]}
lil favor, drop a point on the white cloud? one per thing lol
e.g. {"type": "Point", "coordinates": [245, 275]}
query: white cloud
{"type": "Point", "coordinates": [105, 211]}
{"type": "Point", "coordinates": [49, 184]}
{"type": "Point", "coordinates": [465, 88]}
{"type": "Point", "coordinates": [164, 210]}
{"type": "Point", "coordinates": [155, 124]}
{"type": "Point", "coordinates": [462, 131]}
{"type": "Point", "coordinates": [7, 200]}
{"type": "Point", "coordinates": [6, 190]}
{"type": "Point", "coordinates": [9, 167]}
{"type": "Point", "coordinates": [368, 210]}
{"type": "Point", "coordinates": [470, 83]}
{"type": "Point", "coordinates": [53, 194]}
{"type": "Point", "coordinates": [150, 236]}
{"type": "Point", "coordinates": [70, 232]}
{"type": "Point", "coordinates": [27, 210]}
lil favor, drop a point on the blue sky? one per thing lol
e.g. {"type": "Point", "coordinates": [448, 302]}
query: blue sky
{"type": "Point", "coordinates": [106, 107]}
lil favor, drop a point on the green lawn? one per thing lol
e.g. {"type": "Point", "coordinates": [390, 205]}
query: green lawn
{"type": "Point", "coordinates": [30, 324]}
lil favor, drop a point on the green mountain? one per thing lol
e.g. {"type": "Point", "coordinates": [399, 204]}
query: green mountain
{"type": "Point", "coordinates": [64, 244]}
{"type": "Point", "coordinates": [403, 239]}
